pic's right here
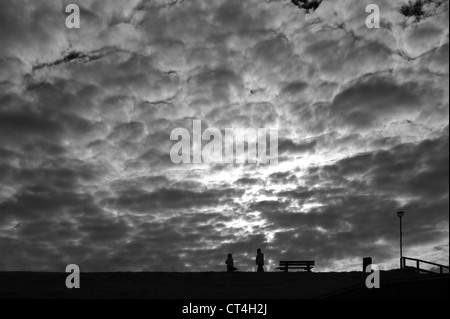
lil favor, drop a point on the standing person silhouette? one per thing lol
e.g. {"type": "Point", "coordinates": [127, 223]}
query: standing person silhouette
{"type": "Point", "coordinates": [259, 260]}
{"type": "Point", "coordinates": [230, 263]}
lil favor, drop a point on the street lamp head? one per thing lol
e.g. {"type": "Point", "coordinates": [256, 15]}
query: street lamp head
{"type": "Point", "coordinates": [400, 213]}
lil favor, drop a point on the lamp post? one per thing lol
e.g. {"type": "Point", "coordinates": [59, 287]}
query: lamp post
{"type": "Point", "coordinates": [400, 215]}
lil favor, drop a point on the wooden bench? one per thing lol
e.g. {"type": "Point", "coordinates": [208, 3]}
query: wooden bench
{"type": "Point", "coordinates": [296, 264]}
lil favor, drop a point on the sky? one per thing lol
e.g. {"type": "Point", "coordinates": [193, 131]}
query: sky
{"type": "Point", "coordinates": [86, 115]}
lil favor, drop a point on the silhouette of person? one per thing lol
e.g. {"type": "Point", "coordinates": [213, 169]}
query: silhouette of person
{"type": "Point", "coordinates": [230, 263]}
{"type": "Point", "coordinates": [259, 260]}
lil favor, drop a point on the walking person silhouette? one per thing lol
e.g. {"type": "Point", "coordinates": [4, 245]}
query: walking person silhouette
{"type": "Point", "coordinates": [230, 263]}
{"type": "Point", "coordinates": [259, 260]}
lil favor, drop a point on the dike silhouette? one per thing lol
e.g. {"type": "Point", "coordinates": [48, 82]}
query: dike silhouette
{"type": "Point", "coordinates": [394, 284]}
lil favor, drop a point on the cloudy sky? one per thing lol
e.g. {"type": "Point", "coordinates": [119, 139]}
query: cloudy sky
{"type": "Point", "coordinates": [86, 116]}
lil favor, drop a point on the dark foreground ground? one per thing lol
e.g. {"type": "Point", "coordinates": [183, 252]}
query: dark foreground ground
{"type": "Point", "coordinates": [394, 284]}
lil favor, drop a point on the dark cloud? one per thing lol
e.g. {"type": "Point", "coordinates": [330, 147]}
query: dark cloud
{"type": "Point", "coordinates": [420, 9]}
{"type": "Point", "coordinates": [140, 201]}
{"type": "Point", "coordinates": [413, 9]}
{"type": "Point", "coordinates": [307, 5]}
{"type": "Point", "coordinates": [294, 88]}
{"type": "Point", "coordinates": [286, 145]}
{"type": "Point", "coordinates": [362, 104]}
{"type": "Point", "coordinates": [86, 115]}
{"type": "Point", "coordinates": [24, 126]}
{"type": "Point", "coordinates": [283, 177]}
{"type": "Point", "coordinates": [248, 181]}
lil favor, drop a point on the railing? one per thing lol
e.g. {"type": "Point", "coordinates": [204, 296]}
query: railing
{"type": "Point", "coordinates": [418, 261]}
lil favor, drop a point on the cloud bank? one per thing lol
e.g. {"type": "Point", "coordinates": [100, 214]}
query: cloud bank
{"type": "Point", "coordinates": [86, 116]}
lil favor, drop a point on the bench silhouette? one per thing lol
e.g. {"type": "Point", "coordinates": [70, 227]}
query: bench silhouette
{"type": "Point", "coordinates": [296, 264]}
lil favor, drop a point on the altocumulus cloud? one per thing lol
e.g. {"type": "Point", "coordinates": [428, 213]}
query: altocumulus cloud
{"type": "Point", "coordinates": [86, 115]}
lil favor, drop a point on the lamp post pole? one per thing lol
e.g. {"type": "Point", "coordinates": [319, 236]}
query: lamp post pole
{"type": "Point", "coordinates": [400, 215]}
